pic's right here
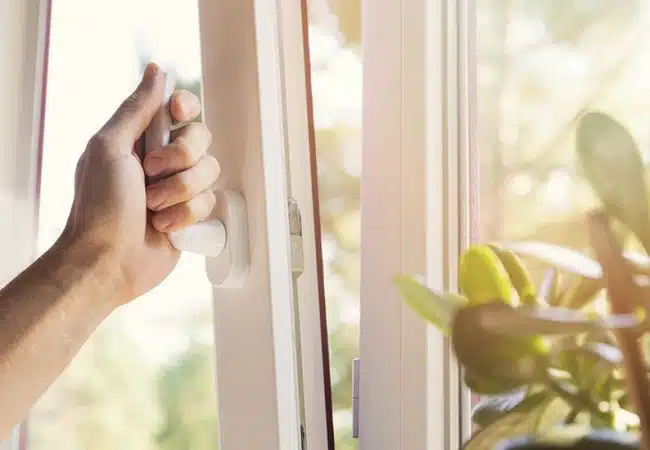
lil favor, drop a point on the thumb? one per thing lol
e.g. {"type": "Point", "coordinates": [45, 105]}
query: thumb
{"type": "Point", "coordinates": [134, 114]}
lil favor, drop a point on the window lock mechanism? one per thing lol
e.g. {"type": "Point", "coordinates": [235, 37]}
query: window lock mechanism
{"type": "Point", "coordinates": [295, 232]}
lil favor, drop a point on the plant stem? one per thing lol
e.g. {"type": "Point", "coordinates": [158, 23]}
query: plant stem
{"type": "Point", "coordinates": [623, 292]}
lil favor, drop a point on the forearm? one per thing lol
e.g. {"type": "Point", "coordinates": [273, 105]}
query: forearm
{"type": "Point", "coordinates": [46, 315]}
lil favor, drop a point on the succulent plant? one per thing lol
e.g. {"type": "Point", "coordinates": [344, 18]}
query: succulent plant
{"type": "Point", "coordinates": [555, 370]}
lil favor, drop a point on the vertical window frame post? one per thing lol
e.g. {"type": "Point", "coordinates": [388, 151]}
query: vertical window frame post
{"type": "Point", "coordinates": [418, 214]}
{"type": "Point", "coordinates": [255, 99]}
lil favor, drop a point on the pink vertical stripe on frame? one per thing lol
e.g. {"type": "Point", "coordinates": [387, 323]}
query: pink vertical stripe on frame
{"type": "Point", "coordinates": [41, 128]}
{"type": "Point", "coordinates": [23, 436]}
{"type": "Point", "coordinates": [327, 381]}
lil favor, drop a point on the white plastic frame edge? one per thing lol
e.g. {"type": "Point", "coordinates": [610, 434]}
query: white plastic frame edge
{"type": "Point", "coordinates": [417, 167]}
{"type": "Point", "coordinates": [247, 110]}
{"type": "Point", "coordinates": [24, 40]}
{"type": "Point", "coordinates": [451, 57]}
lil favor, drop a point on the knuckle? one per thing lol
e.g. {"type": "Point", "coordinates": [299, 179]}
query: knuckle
{"type": "Point", "coordinates": [100, 141]}
{"type": "Point", "coordinates": [100, 147]}
{"type": "Point", "coordinates": [81, 166]}
{"type": "Point", "coordinates": [82, 159]}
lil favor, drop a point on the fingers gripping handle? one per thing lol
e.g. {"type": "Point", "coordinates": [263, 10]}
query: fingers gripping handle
{"type": "Point", "coordinates": [225, 241]}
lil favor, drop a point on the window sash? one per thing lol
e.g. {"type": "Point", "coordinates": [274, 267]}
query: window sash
{"type": "Point", "coordinates": [260, 126]}
{"type": "Point", "coordinates": [24, 34]}
{"type": "Point", "coordinates": [418, 209]}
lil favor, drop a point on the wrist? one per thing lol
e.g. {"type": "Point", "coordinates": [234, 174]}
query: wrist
{"type": "Point", "coordinates": [93, 267]}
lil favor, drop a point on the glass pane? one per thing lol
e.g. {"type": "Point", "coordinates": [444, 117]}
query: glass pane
{"type": "Point", "coordinates": [540, 63]}
{"type": "Point", "coordinates": [145, 379]}
{"type": "Point", "coordinates": [334, 41]}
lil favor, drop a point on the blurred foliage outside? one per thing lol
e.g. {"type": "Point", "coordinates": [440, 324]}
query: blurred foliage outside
{"type": "Point", "coordinates": [540, 63]}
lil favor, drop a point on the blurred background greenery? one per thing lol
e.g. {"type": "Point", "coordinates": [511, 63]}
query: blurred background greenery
{"type": "Point", "coordinates": [540, 63]}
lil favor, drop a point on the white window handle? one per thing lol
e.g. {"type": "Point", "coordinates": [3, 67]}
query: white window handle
{"type": "Point", "coordinates": [225, 240]}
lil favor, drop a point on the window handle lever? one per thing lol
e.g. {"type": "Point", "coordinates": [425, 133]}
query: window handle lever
{"type": "Point", "coordinates": [222, 238]}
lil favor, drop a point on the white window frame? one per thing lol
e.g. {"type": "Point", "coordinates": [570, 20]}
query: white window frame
{"type": "Point", "coordinates": [418, 213]}
{"type": "Point", "coordinates": [24, 35]}
{"type": "Point", "coordinates": [252, 51]}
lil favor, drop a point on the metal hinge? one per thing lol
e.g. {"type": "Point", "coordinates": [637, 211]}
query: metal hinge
{"type": "Point", "coordinates": [295, 234]}
{"type": "Point", "coordinates": [297, 268]}
{"type": "Point", "coordinates": [356, 364]}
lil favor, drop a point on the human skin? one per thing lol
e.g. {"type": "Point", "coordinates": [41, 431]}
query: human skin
{"type": "Point", "coordinates": [113, 248]}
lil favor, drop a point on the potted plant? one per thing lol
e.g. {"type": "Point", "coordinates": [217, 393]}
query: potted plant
{"type": "Point", "coordinates": [561, 365]}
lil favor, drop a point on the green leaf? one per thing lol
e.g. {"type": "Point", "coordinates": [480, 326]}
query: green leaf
{"type": "Point", "coordinates": [526, 321]}
{"type": "Point", "coordinates": [491, 408]}
{"type": "Point", "coordinates": [575, 437]}
{"type": "Point", "coordinates": [592, 365]}
{"type": "Point", "coordinates": [436, 308]}
{"type": "Point", "coordinates": [537, 411]}
{"type": "Point", "coordinates": [613, 167]}
{"type": "Point", "coordinates": [556, 437]}
{"type": "Point", "coordinates": [560, 257]}
{"type": "Point", "coordinates": [482, 276]}
{"type": "Point", "coordinates": [482, 385]}
{"type": "Point", "coordinates": [581, 293]}
{"type": "Point", "coordinates": [519, 276]}
{"type": "Point", "coordinates": [596, 352]}
{"type": "Point", "coordinates": [548, 290]}
{"type": "Point", "coordinates": [493, 357]}
{"type": "Point", "coordinates": [639, 261]}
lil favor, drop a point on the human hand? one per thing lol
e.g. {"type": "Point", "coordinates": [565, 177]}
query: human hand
{"type": "Point", "coordinates": [114, 214]}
